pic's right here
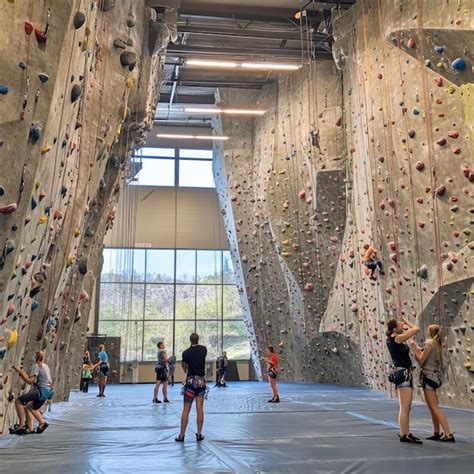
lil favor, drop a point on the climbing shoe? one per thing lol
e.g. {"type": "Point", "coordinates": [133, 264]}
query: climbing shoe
{"type": "Point", "coordinates": [408, 439]}
{"type": "Point", "coordinates": [155, 400]}
{"type": "Point", "coordinates": [435, 437]}
{"type": "Point", "coordinates": [179, 439]}
{"type": "Point", "coordinates": [42, 427]}
{"type": "Point", "coordinates": [447, 439]}
{"type": "Point", "coordinates": [199, 437]}
{"type": "Point", "coordinates": [412, 436]}
{"type": "Point", "coordinates": [166, 400]}
{"type": "Point", "coordinates": [19, 431]}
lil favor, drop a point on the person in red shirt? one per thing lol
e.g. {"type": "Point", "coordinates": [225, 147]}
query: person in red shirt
{"type": "Point", "coordinates": [272, 371]}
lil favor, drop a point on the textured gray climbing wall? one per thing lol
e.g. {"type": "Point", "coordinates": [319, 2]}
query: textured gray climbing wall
{"type": "Point", "coordinates": [79, 84]}
{"type": "Point", "coordinates": [378, 152]}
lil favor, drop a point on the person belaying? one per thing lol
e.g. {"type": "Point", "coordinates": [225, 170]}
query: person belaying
{"type": "Point", "coordinates": [272, 372]}
{"type": "Point", "coordinates": [171, 369]}
{"type": "Point", "coordinates": [371, 261]}
{"type": "Point", "coordinates": [28, 405]}
{"type": "Point", "coordinates": [401, 373]}
{"type": "Point", "coordinates": [161, 374]}
{"type": "Point", "coordinates": [430, 359]}
{"type": "Point", "coordinates": [222, 363]}
{"type": "Point", "coordinates": [104, 365]}
{"type": "Point", "coordinates": [86, 372]}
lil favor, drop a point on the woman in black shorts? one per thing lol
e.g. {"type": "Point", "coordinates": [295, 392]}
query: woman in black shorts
{"type": "Point", "coordinates": [161, 374]}
{"type": "Point", "coordinates": [401, 373]}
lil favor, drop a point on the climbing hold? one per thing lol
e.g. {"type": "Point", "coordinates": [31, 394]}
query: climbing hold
{"type": "Point", "coordinates": [33, 203]}
{"type": "Point", "coordinates": [8, 248]}
{"type": "Point", "coordinates": [43, 77]}
{"type": "Point", "coordinates": [423, 272]}
{"type": "Point", "coordinates": [42, 219]}
{"type": "Point", "coordinates": [42, 195]}
{"type": "Point", "coordinates": [453, 134]}
{"type": "Point", "coordinates": [458, 64]}
{"type": "Point", "coordinates": [10, 309]}
{"type": "Point", "coordinates": [309, 287]}
{"type": "Point", "coordinates": [35, 132]}
{"type": "Point", "coordinates": [120, 43]}
{"type": "Point", "coordinates": [107, 5]}
{"type": "Point", "coordinates": [79, 20]}
{"type": "Point", "coordinates": [8, 209]}
{"type": "Point", "coordinates": [420, 166]}
{"type": "Point", "coordinates": [439, 49]}
{"type": "Point", "coordinates": [41, 36]}
{"type": "Point", "coordinates": [411, 133]}
{"type": "Point", "coordinates": [441, 141]}
{"type": "Point", "coordinates": [456, 150]}
{"type": "Point", "coordinates": [84, 295]}
{"type": "Point", "coordinates": [28, 27]}
{"type": "Point", "coordinates": [411, 43]}
{"type": "Point", "coordinates": [4, 89]}
{"type": "Point", "coordinates": [440, 190]}
{"type": "Point", "coordinates": [82, 265]}
{"type": "Point", "coordinates": [439, 81]}
{"type": "Point", "coordinates": [76, 92]}
{"type": "Point", "coordinates": [128, 59]}
{"type": "Point", "coordinates": [415, 111]}
{"type": "Point", "coordinates": [45, 149]}
{"type": "Point", "coordinates": [302, 194]}
{"type": "Point", "coordinates": [131, 19]}
{"type": "Point", "coordinates": [2, 190]}
{"type": "Point", "coordinates": [34, 305]}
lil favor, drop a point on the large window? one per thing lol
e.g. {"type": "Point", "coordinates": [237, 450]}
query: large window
{"type": "Point", "coordinates": [151, 295]}
{"type": "Point", "coordinates": [173, 167]}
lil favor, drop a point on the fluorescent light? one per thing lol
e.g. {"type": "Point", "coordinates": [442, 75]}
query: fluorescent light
{"type": "Point", "coordinates": [269, 66]}
{"type": "Point", "coordinates": [191, 137]}
{"type": "Point", "coordinates": [205, 110]}
{"type": "Point", "coordinates": [211, 63]}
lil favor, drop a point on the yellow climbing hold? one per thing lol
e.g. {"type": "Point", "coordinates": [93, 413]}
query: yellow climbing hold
{"type": "Point", "coordinates": [45, 149]}
{"type": "Point", "coordinates": [42, 219]}
{"type": "Point", "coordinates": [129, 83]}
{"type": "Point", "coordinates": [466, 231]}
{"type": "Point", "coordinates": [284, 242]}
{"type": "Point", "coordinates": [281, 344]}
{"type": "Point", "coordinates": [452, 89]}
{"type": "Point", "coordinates": [87, 31]}
{"type": "Point", "coordinates": [69, 261]}
{"type": "Point", "coordinates": [77, 233]}
{"type": "Point", "coordinates": [12, 339]}
{"type": "Point", "coordinates": [285, 254]}
{"type": "Point", "coordinates": [37, 184]}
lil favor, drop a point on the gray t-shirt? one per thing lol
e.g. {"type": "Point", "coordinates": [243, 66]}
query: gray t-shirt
{"type": "Point", "coordinates": [43, 376]}
{"type": "Point", "coordinates": [161, 356]}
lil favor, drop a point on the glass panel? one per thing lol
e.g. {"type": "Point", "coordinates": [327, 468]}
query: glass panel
{"type": "Point", "coordinates": [154, 332]}
{"type": "Point", "coordinates": [209, 266]}
{"type": "Point", "coordinates": [183, 331]}
{"type": "Point", "coordinates": [228, 267]}
{"type": "Point", "coordinates": [155, 172]}
{"type": "Point", "coordinates": [236, 342]}
{"type": "Point", "coordinates": [117, 265]}
{"type": "Point", "coordinates": [185, 301]}
{"type": "Point", "coordinates": [196, 174]}
{"type": "Point", "coordinates": [209, 336]}
{"type": "Point", "coordinates": [185, 266]}
{"type": "Point", "coordinates": [138, 299]}
{"type": "Point", "coordinates": [115, 301]}
{"type": "Point", "coordinates": [209, 301]}
{"type": "Point", "coordinates": [139, 265]}
{"type": "Point", "coordinates": [160, 266]}
{"type": "Point", "coordinates": [159, 301]}
{"type": "Point", "coordinates": [130, 333]}
{"type": "Point", "coordinates": [232, 305]}
{"type": "Point", "coordinates": [196, 154]}
{"type": "Point", "coordinates": [155, 152]}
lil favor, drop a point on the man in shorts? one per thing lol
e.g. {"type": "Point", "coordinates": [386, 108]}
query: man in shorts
{"type": "Point", "coordinates": [194, 366]}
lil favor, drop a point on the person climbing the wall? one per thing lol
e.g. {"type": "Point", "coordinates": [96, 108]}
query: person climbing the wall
{"type": "Point", "coordinates": [104, 366]}
{"type": "Point", "coordinates": [272, 371]}
{"type": "Point", "coordinates": [371, 261]}
{"type": "Point", "coordinates": [28, 405]}
{"type": "Point", "coordinates": [161, 374]}
{"type": "Point", "coordinates": [86, 372]}
{"type": "Point", "coordinates": [194, 387]}
{"type": "Point", "coordinates": [430, 359]}
{"type": "Point", "coordinates": [398, 332]}
{"type": "Point", "coordinates": [171, 369]}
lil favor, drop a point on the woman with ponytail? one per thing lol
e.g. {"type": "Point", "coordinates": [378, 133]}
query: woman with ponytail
{"type": "Point", "coordinates": [399, 331]}
{"type": "Point", "coordinates": [430, 359]}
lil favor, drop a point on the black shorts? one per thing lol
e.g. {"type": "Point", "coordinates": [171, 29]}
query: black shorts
{"type": "Point", "coordinates": [272, 374]}
{"type": "Point", "coordinates": [161, 375]}
{"type": "Point", "coordinates": [194, 387]}
{"type": "Point", "coordinates": [32, 396]}
{"type": "Point", "coordinates": [401, 378]}
{"type": "Point", "coordinates": [104, 370]}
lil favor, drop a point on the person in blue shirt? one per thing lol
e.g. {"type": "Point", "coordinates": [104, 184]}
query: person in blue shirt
{"type": "Point", "coordinates": [104, 367]}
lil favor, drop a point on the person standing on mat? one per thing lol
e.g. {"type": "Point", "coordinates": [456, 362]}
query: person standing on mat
{"type": "Point", "coordinates": [398, 332]}
{"type": "Point", "coordinates": [430, 359]}
{"type": "Point", "coordinates": [272, 371]}
{"type": "Point", "coordinates": [28, 405]}
{"type": "Point", "coordinates": [86, 372]}
{"type": "Point", "coordinates": [171, 370]}
{"type": "Point", "coordinates": [194, 387]}
{"type": "Point", "coordinates": [161, 374]}
{"type": "Point", "coordinates": [371, 261]}
{"type": "Point", "coordinates": [104, 366]}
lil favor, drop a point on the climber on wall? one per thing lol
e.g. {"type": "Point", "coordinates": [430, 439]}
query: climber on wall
{"type": "Point", "coordinates": [28, 405]}
{"type": "Point", "coordinates": [371, 261]}
{"type": "Point", "coordinates": [430, 358]}
{"type": "Point", "coordinates": [104, 366]}
{"type": "Point", "coordinates": [401, 372]}
{"type": "Point", "coordinates": [272, 371]}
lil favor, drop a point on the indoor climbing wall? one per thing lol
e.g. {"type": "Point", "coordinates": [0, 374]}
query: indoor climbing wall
{"type": "Point", "coordinates": [373, 148]}
{"type": "Point", "coordinates": [78, 89]}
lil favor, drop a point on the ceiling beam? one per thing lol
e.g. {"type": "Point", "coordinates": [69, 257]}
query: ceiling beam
{"type": "Point", "coordinates": [208, 99]}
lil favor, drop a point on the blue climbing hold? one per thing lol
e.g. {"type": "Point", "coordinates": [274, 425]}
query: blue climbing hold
{"type": "Point", "coordinates": [458, 64]}
{"type": "Point", "coordinates": [35, 132]}
{"type": "Point", "coordinates": [43, 77]}
{"type": "Point", "coordinates": [439, 49]}
{"type": "Point", "coordinates": [63, 190]}
{"type": "Point", "coordinates": [34, 305]}
{"type": "Point", "coordinates": [4, 89]}
{"type": "Point", "coordinates": [33, 203]}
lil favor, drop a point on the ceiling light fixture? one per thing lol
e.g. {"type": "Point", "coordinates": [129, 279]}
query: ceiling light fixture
{"type": "Point", "coordinates": [191, 137]}
{"type": "Point", "coordinates": [205, 110]}
{"type": "Point", "coordinates": [265, 66]}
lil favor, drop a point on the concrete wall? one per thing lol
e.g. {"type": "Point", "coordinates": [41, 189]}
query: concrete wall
{"type": "Point", "coordinates": [79, 88]}
{"type": "Point", "coordinates": [377, 151]}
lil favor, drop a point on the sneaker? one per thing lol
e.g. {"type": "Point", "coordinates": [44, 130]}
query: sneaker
{"type": "Point", "coordinates": [408, 439]}
{"type": "Point", "coordinates": [271, 401]}
{"type": "Point", "coordinates": [42, 427]}
{"type": "Point", "coordinates": [276, 400]}
{"type": "Point", "coordinates": [19, 431]}
{"type": "Point", "coordinates": [199, 437]}
{"type": "Point", "coordinates": [412, 436]}
{"type": "Point", "coordinates": [435, 437]}
{"type": "Point", "coordinates": [447, 439]}
{"type": "Point", "coordinates": [179, 439]}
{"type": "Point", "coordinates": [166, 400]}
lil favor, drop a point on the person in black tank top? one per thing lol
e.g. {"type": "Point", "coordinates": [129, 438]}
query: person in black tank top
{"type": "Point", "coordinates": [398, 332]}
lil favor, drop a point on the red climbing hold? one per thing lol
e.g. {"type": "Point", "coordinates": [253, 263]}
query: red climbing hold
{"type": "Point", "coordinates": [309, 287]}
{"type": "Point", "coordinates": [419, 200]}
{"type": "Point", "coordinates": [393, 246]}
{"type": "Point", "coordinates": [411, 43]}
{"type": "Point", "coordinates": [456, 150]}
{"type": "Point", "coordinates": [440, 190]}
{"type": "Point", "coordinates": [439, 81]}
{"type": "Point", "coordinates": [28, 27]}
{"type": "Point", "coordinates": [339, 122]}
{"type": "Point", "coordinates": [441, 141]}
{"type": "Point", "coordinates": [420, 166]}
{"type": "Point", "coordinates": [41, 36]}
{"type": "Point", "coordinates": [302, 194]}
{"type": "Point", "coordinates": [10, 309]}
{"type": "Point", "coordinates": [8, 209]}
{"type": "Point", "coordinates": [333, 238]}
{"type": "Point", "coordinates": [382, 205]}
{"type": "Point", "coordinates": [453, 134]}
{"type": "Point", "coordinates": [467, 172]}
{"type": "Point", "coordinates": [379, 76]}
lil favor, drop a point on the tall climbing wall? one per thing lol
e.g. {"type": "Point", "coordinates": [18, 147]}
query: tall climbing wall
{"type": "Point", "coordinates": [374, 148]}
{"type": "Point", "coordinates": [78, 87]}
